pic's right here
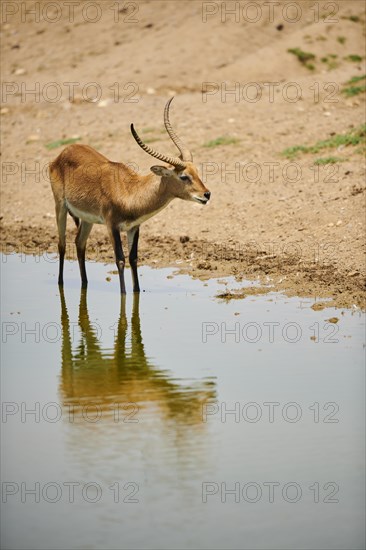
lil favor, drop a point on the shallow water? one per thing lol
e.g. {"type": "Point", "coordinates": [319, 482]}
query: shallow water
{"type": "Point", "coordinates": [176, 420]}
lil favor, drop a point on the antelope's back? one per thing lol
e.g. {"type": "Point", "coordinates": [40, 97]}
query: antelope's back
{"type": "Point", "coordinates": [81, 174]}
{"type": "Point", "coordinates": [78, 167]}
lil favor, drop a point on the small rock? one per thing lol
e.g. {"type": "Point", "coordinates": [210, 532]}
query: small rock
{"type": "Point", "coordinates": [32, 138]}
{"type": "Point", "coordinates": [353, 273]}
{"type": "Point", "coordinates": [19, 72]}
{"type": "Point", "coordinates": [317, 306]}
{"type": "Point", "coordinates": [184, 239]}
{"type": "Point", "coordinates": [104, 103]}
{"type": "Point", "coordinates": [150, 91]}
{"type": "Point", "coordinates": [339, 222]}
{"type": "Point", "coordinates": [108, 279]}
{"type": "Point", "coordinates": [204, 265]}
{"type": "Point", "coordinates": [333, 320]}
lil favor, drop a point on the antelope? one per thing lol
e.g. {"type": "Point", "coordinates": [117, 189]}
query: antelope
{"type": "Point", "coordinates": [115, 195]}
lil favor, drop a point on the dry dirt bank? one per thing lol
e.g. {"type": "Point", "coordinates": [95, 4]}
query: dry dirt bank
{"type": "Point", "coordinates": [295, 222]}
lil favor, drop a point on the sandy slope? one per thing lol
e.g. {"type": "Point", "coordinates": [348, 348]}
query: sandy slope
{"type": "Point", "coordinates": [305, 233]}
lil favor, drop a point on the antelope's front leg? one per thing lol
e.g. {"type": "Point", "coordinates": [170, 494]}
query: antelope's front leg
{"type": "Point", "coordinates": [120, 257]}
{"type": "Point", "coordinates": [133, 240]}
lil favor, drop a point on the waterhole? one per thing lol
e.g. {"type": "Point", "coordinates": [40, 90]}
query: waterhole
{"type": "Point", "coordinates": [176, 419]}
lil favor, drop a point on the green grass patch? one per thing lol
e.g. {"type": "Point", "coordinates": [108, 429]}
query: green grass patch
{"type": "Point", "coordinates": [59, 142]}
{"type": "Point", "coordinates": [148, 130]}
{"type": "Point", "coordinates": [222, 140]}
{"type": "Point", "coordinates": [327, 160]}
{"type": "Point", "coordinates": [354, 137]}
{"type": "Point", "coordinates": [151, 139]}
{"type": "Point", "coordinates": [341, 39]}
{"type": "Point", "coordinates": [353, 18]}
{"type": "Point", "coordinates": [354, 58]}
{"type": "Point", "coordinates": [353, 90]}
{"type": "Point", "coordinates": [330, 61]}
{"type": "Point", "coordinates": [292, 152]}
{"type": "Point", "coordinates": [303, 57]}
{"type": "Point", "coordinates": [355, 79]}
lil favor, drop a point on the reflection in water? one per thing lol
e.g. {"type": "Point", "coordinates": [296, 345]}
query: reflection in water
{"type": "Point", "coordinates": [101, 377]}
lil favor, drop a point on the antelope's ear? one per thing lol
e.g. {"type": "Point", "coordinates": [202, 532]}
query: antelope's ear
{"type": "Point", "coordinates": [161, 171]}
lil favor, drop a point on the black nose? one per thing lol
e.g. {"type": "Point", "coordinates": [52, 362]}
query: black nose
{"type": "Point", "coordinates": [207, 195]}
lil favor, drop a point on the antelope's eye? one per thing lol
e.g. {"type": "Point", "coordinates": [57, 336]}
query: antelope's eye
{"type": "Point", "coordinates": [185, 178]}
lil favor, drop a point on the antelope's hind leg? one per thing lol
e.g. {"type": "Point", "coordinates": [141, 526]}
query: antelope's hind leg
{"type": "Point", "coordinates": [80, 241]}
{"type": "Point", "coordinates": [61, 217]}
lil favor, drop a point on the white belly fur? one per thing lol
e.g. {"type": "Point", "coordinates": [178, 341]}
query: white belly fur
{"type": "Point", "coordinates": [124, 226]}
{"type": "Point", "coordinates": [90, 218]}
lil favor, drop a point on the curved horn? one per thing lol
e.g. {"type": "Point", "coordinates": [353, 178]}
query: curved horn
{"type": "Point", "coordinates": [178, 163]}
{"type": "Point", "coordinates": [185, 153]}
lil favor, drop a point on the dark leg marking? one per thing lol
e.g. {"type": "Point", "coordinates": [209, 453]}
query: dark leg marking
{"type": "Point", "coordinates": [120, 257]}
{"type": "Point", "coordinates": [133, 240]}
{"type": "Point", "coordinates": [61, 251]}
{"type": "Point", "coordinates": [80, 241]}
{"type": "Point", "coordinates": [61, 215]}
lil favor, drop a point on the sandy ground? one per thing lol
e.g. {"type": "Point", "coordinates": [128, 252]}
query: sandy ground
{"type": "Point", "coordinates": [291, 223]}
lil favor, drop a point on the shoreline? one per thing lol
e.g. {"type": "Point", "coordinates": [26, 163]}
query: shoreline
{"type": "Point", "coordinates": [290, 271]}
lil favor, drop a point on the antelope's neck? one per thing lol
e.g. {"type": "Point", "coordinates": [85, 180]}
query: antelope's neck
{"type": "Point", "coordinates": [157, 194]}
{"type": "Point", "coordinates": [149, 199]}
